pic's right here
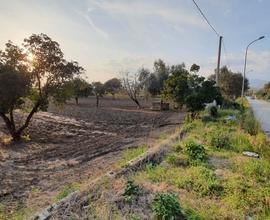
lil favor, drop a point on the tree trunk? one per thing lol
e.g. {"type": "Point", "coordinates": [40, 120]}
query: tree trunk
{"type": "Point", "coordinates": [16, 136]}
{"type": "Point", "coordinates": [137, 102]}
{"type": "Point", "coordinates": [10, 124]}
{"type": "Point", "coordinates": [77, 100]}
{"type": "Point", "coordinates": [29, 117]}
{"type": "Point", "coordinates": [97, 101]}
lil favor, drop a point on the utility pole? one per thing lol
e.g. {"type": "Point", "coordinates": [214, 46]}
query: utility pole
{"type": "Point", "coordinates": [218, 61]}
{"type": "Point", "coordinates": [245, 67]}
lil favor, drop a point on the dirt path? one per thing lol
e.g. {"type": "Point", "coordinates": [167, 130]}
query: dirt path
{"type": "Point", "coordinates": [76, 148]}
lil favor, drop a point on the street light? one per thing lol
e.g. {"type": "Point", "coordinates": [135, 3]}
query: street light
{"type": "Point", "coordinates": [245, 66]}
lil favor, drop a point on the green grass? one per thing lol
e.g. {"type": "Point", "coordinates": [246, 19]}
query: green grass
{"type": "Point", "coordinates": [130, 154]}
{"type": "Point", "coordinates": [19, 214]}
{"type": "Point", "coordinates": [234, 189]}
{"type": "Point", "coordinates": [199, 179]}
{"type": "Point", "coordinates": [67, 190]}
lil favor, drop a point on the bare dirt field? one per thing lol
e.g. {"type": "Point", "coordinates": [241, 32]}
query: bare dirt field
{"type": "Point", "coordinates": [74, 144]}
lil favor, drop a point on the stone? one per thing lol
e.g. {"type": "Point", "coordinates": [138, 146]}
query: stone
{"type": "Point", "coordinates": [250, 154]}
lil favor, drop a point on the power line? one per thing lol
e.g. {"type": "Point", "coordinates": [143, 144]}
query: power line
{"type": "Point", "coordinates": [208, 22]}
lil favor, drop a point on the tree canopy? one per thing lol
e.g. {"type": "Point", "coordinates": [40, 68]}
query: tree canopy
{"type": "Point", "coordinates": [80, 88]}
{"type": "Point", "coordinates": [112, 86]}
{"type": "Point", "coordinates": [176, 86]}
{"type": "Point", "coordinates": [264, 92]}
{"type": "Point", "coordinates": [195, 68]}
{"type": "Point", "coordinates": [230, 83]}
{"type": "Point", "coordinates": [188, 89]}
{"type": "Point", "coordinates": [37, 79]}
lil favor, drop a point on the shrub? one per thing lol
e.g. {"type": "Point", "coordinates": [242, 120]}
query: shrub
{"type": "Point", "coordinates": [195, 152]}
{"type": "Point", "coordinates": [177, 147]}
{"type": "Point", "coordinates": [230, 104]}
{"type": "Point", "coordinates": [213, 111]}
{"type": "Point", "coordinates": [131, 189]}
{"type": "Point", "coordinates": [166, 206]}
{"type": "Point", "coordinates": [220, 140]}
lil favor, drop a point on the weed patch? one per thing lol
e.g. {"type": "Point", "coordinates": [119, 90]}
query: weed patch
{"type": "Point", "coordinates": [166, 206]}
{"type": "Point", "coordinates": [220, 140]}
{"type": "Point", "coordinates": [67, 190]}
{"type": "Point", "coordinates": [131, 190]}
{"type": "Point", "coordinates": [196, 152]}
{"type": "Point", "coordinates": [130, 154]}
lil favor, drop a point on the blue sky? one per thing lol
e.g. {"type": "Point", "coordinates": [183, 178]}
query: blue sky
{"type": "Point", "coordinates": [109, 36]}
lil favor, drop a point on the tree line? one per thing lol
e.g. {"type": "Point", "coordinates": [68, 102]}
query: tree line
{"type": "Point", "coordinates": [264, 92]}
{"type": "Point", "coordinates": [37, 71]}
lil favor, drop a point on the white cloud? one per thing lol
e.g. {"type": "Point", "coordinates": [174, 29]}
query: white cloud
{"type": "Point", "coordinates": [91, 23]}
{"type": "Point", "coordinates": [140, 10]}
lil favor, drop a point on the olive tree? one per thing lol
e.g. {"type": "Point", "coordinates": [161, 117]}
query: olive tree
{"type": "Point", "coordinates": [98, 91]}
{"type": "Point", "coordinates": [79, 88]}
{"type": "Point", "coordinates": [38, 79]}
{"type": "Point", "coordinates": [176, 87]}
{"type": "Point", "coordinates": [191, 90]}
{"type": "Point", "coordinates": [230, 83]}
{"type": "Point", "coordinates": [112, 86]}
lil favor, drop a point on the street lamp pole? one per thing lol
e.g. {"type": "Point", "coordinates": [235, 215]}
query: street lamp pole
{"type": "Point", "coordinates": [245, 66]}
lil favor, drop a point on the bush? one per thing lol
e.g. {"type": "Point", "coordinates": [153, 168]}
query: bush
{"type": "Point", "coordinates": [220, 140]}
{"type": "Point", "coordinates": [195, 152]}
{"type": "Point", "coordinates": [213, 111]}
{"type": "Point", "coordinates": [166, 206]}
{"type": "Point", "coordinates": [131, 189]}
{"type": "Point", "coordinates": [230, 104]}
{"type": "Point", "coordinates": [177, 147]}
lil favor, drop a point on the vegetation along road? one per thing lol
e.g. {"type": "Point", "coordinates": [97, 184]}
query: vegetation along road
{"type": "Point", "coordinates": [261, 111]}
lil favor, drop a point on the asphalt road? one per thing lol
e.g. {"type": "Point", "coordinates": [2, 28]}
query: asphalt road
{"type": "Point", "coordinates": [261, 111]}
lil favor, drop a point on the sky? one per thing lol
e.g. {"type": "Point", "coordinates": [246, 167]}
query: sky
{"type": "Point", "coordinates": [107, 37]}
